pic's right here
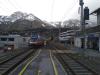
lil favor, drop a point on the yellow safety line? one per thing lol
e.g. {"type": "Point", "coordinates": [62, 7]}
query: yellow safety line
{"type": "Point", "coordinates": [60, 65]}
{"type": "Point", "coordinates": [39, 72]}
{"type": "Point", "coordinates": [24, 68]}
{"type": "Point", "coordinates": [54, 65]}
{"type": "Point", "coordinates": [59, 62]}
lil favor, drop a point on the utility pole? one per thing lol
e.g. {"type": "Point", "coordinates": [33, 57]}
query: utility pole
{"type": "Point", "coordinates": [74, 34]}
{"type": "Point", "coordinates": [59, 29]}
{"type": "Point", "coordinates": [81, 3]}
{"type": "Point", "coordinates": [84, 17]}
{"type": "Point", "coordinates": [82, 22]}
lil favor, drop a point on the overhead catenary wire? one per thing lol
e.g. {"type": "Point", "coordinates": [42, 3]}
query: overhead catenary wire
{"type": "Point", "coordinates": [52, 9]}
{"type": "Point", "coordinates": [13, 4]}
{"type": "Point", "coordinates": [68, 12]}
{"type": "Point", "coordinates": [4, 7]}
{"type": "Point", "coordinates": [17, 4]}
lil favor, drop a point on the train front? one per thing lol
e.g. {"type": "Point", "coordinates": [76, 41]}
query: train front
{"type": "Point", "coordinates": [36, 41]}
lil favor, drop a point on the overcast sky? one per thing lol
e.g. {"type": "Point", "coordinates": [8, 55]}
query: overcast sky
{"type": "Point", "coordinates": [49, 10]}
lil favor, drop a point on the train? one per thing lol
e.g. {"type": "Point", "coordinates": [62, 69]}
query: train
{"type": "Point", "coordinates": [36, 41]}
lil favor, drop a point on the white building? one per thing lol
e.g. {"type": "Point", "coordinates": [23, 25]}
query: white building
{"type": "Point", "coordinates": [67, 36]}
{"type": "Point", "coordinates": [91, 40]}
{"type": "Point", "coordinates": [16, 41]}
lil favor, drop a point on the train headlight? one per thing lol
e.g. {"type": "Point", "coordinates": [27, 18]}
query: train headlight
{"type": "Point", "coordinates": [30, 42]}
{"type": "Point", "coordinates": [9, 48]}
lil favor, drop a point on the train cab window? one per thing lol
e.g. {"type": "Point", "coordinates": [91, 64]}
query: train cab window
{"type": "Point", "coordinates": [10, 39]}
{"type": "Point", "coordinates": [24, 39]}
{"type": "Point", "coordinates": [3, 39]}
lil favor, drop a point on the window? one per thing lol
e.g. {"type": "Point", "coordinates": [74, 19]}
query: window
{"type": "Point", "coordinates": [3, 39]}
{"type": "Point", "coordinates": [10, 39]}
{"type": "Point", "coordinates": [24, 39]}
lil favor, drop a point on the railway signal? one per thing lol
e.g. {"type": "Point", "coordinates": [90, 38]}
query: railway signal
{"type": "Point", "coordinates": [86, 13]}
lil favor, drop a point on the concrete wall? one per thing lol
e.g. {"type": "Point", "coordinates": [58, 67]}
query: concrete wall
{"type": "Point", "coordinates": [18, 42]}
{"type": "Point", "coordinates": [21, 42]}
{"type": "Point", "coordinates": [77, 41]}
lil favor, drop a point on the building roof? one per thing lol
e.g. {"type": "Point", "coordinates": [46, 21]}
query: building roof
{"type": "Point", "coordinates": [89, 30]}
{"type": "Point", "coordinates": [9, 35]}
{"type": "Point", "coordinates": [93, 29]}
{"type": "Point", "coordinates": [95, 11]}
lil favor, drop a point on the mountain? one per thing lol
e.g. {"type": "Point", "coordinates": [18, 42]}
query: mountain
{"type": "Point", "coordinates": [18, 15]}
{"type": "Point", "coordinates": [19, 21]}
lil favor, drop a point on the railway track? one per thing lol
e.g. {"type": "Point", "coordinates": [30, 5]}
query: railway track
{"type": "Point", "coordinates": [11, 60]}
{"type": "Point", "coordinates": [28, 62]}
{"type": "Point", "coordinates": [72, 66]}
{"type": "Point", "coordinates": [43, 63]}
{"type": "Point", "coordinates": [39, 57]}
{"type": "Point", "coordinates": [9, 55]}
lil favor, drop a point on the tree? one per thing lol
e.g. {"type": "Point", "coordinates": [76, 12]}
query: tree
{"type": "Point", "coordinates": [18, 15]}
{"type": "Point", "coordinates": [71, 23]}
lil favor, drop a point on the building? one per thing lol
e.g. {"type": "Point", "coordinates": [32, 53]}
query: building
{"type": "Point", "coordinates": [91, 38]}
{"type": "Point", "coordinates": [97, 12]}
{"type": "Point", "coordinates": [15, 41]}
{"type": "Point", "coordinates": [67, 37]}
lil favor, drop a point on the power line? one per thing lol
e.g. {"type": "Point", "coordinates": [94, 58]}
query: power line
{"type": "Point", "coordinates": [3, 5]}
{"type": "Point", "coordinates": [68, 12]}
{"type": "Point", "coordinates": [52, 8]}
{"type": "Point", "coordinates": [16, 7]}
{"type": "Point", "coordinates": [3, 9]}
